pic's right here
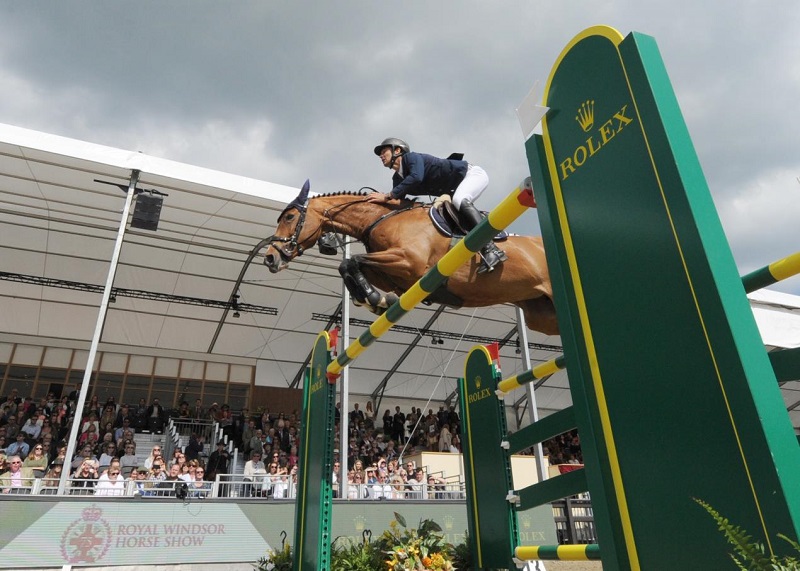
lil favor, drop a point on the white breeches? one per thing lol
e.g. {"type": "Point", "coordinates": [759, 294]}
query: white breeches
{"type": "Point", "coordinates": [472, 186]}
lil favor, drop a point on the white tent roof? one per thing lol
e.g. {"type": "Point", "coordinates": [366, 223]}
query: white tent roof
{"type": "Point", "coordinates": [57, 225]}
{"type": "Point", "coordinates": [57, 232]}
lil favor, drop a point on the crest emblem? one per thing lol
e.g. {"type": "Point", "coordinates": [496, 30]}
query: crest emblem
{"type": "Point", "coordinates": [86, 540]}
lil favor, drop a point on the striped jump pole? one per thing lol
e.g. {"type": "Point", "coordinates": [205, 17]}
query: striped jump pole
{"type": "Point", "coordinates": [773, 273]}
{"type": "Point", "coordinates": [511, 208]}
{"type": "Point", "coordinates": [538, 372]}
{"type": "Point", "coordinates": [558, 552]}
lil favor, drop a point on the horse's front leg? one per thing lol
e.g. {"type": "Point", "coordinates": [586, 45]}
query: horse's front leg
{"type": "Point", "coordinates": [361, 289]}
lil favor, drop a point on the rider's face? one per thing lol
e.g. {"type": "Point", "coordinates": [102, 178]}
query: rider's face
{"type": "Point", "coordinates": [386, 156]}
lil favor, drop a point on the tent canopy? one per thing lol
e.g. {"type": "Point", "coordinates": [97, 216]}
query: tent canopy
{"type": "Point", "coordinates": [60, 207]}
{"type": "Point", "coordinates": [59, 218]}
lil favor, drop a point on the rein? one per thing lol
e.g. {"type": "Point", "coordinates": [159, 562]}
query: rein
{"type": "Point", "coordinates": [291, 244]}
{"type": "Point", "coordinates": [371, 227]}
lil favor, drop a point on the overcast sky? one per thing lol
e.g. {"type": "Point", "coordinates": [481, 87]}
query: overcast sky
{"type": "Point", "coordinates": [284, 91]}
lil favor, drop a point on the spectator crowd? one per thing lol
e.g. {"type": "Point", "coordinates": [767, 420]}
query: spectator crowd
{"type": "Point", "coordinates": [33, 447]}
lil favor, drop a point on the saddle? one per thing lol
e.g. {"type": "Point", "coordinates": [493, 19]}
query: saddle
{"type": "Point", "coordinates": [445, 219]}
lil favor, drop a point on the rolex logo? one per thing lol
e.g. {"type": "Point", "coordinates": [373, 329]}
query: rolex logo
{"type": "Point", "coordinates": [585, 116]}
{"type": "Point", "coordinates": [478, 382]}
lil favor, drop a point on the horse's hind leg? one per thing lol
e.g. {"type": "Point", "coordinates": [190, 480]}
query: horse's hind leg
{"type": "Point", "coordinates": [540, 314]}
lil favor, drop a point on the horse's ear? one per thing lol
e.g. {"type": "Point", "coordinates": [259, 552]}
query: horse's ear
{"type": "Point", "coordinates": [300, 201]}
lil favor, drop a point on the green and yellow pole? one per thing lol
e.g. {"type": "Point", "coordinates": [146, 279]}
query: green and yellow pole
{"type": "Point", "coordinates": [773, 273]}
{"type": "Point", "coordinates": [538, 372]}
{"type": "Point", "coordinates": [511, 208]}
{"type": "Point", "coordinates": [558, 552]}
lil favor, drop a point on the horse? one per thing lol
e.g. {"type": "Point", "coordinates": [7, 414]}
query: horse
{"type": "Point", "coordinates": [402, 244]}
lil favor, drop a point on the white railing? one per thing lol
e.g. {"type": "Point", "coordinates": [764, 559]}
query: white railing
{"type": "Point", "coordinates": [235, 486]}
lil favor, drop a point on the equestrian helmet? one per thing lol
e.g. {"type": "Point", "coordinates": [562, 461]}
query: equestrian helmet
{"type": "Point", "coordinates": [394, 144]}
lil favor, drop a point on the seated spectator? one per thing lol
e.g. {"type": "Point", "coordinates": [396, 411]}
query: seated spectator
{"type": "Point", "coordinates": [167, 486]}
{"type": "Point", "coordinates": [195, 447]}
{"type": "Point", "coordinates": [140, 416]}
{"type": "Point", "coordinates": [381, 489]}
{"type": "Point", "coordinates": [18, 480]}
{"type": "Point", "coordinates": [192, 466]}
{"type": "Point", "coordinates": [355, 486]}
{"type": "Point", "coordinates": [280, 489]}
{"type": "Point", "coordinates": [3, 462]}
{"type": "Point", "coordinates": [109, 454]}
{"type": "Point", "coordinates": [109, 415]}
{"type": "Point", "coordinates": [19, 447]}
{"type": "Point", "coordinates": [123, 413]}
{"type": "Point", "coordinates": [184, 411]}
{"type": "Point", "coordinates": [155, 417]}
{"type": "Point", "coordinates": [89, 437]}
{"type": "Point", "coordinates": [199, 488]}
{"type": "Point", "coordinates": [84, 479]}
{"type": "Point", "coordinates": [86, 453]}
{"type": "Point", "coordinates": [270, 480]}
{"type": "Point", "coordinates": [33, 427]}
{"type": "Point", "coordinates": [37, 460]}
{"type": "Point", "coordinates": [217, 462]}
{"type": "Point", "coordinates": [156, 451]}
{"type": "Point", "coordinates": [52, 477]}
{"type": "Point", "coordinates": [398, 487]}
{"type": "Point", "coordinates": [157, 472]}
{"type": "Point", "coordinates": [139, 477]}
{"type": "Point", "coordinates": [111, 483]}
{"type": "Point", "coordinates": [12, 428]}
{"type": "Point", "coordinates": [254, 472]}
{"type": "Point", "coordinates": [60, 456]}
{"type": "Point", "coordinates": [119, 433]}
{"type": "Point", "coordinates": [91, 421]}
{"type": "Point", "coordinates": [415, 485]}
{"type": "Point", "coordinates": [128, 459]}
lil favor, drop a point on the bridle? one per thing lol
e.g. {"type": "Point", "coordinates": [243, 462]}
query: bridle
{"type": "Point", "coordinates": [291, 245]}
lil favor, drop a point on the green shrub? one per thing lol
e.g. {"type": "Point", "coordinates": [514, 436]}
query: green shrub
{"type": "Point", "coordinates": [748, 551]}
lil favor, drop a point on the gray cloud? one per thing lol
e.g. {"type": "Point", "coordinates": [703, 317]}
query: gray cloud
{"type": "Point", "coordinates": [286, 91]}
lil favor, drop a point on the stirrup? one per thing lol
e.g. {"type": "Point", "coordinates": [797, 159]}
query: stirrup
{"type": "Point", "coordinates": [491, 257]}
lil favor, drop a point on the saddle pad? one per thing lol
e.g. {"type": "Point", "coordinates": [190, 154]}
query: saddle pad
{"type": "Point", "coordinates": [445, 227]}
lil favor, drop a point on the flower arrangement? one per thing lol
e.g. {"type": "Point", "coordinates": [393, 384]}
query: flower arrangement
{"type": "Point", "coordinates": [421, 549]}
{"type": "Point", "coordinates": [397, 549]}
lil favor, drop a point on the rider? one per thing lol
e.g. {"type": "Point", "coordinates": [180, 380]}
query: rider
{"type": "Point", "coordinates": [418, 173]}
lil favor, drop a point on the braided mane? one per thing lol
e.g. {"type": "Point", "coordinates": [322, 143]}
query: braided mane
{"type": "Point", "coordinates": [342, 193]}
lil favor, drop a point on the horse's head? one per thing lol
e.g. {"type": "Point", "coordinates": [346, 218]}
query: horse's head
{"type": "Point", "coordinates": [288, 242]}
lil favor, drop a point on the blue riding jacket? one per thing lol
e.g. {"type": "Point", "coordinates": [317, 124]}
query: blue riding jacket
{"type": "Point", "coordinates": [428, 175]}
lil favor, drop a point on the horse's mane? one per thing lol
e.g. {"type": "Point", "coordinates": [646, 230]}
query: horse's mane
{"type": "Point", "coordinates": [342, 193]}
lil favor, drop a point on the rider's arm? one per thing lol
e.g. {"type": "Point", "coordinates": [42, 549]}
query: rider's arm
{"type": "Point", "coordinates": [414, 167]}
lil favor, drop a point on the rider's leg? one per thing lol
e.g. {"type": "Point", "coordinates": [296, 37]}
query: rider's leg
{"type": "Point", "coordinates": [491, 255]}
{"type": "Point", "coordinates": [470, 189]}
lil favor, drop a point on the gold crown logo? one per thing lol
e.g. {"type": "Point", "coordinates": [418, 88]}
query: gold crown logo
{"type": "Point", "coordinates": [92, 513]}
{"type": "Point", "coordinates": [585, 116]}
{"type": "Point", "coordinates": [478, 382]}
{"type": "Point", "coordinates": [359, 522]}
{"type": "Point", "coordinates": [526, 521]}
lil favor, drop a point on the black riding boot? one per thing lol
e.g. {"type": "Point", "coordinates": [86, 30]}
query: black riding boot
{"type": "Point", "coordinates": [491, 255]}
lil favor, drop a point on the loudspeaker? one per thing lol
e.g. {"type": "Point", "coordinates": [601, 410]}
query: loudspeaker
{"type": "Point", "coordinates": [147, 212]}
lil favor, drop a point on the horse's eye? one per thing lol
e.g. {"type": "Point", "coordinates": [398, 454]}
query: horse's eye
{"type": "Point", "coordinates": [289, 217]}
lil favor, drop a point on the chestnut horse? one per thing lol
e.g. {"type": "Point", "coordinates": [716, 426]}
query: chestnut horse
{"type": "Point", "coordinates": [402, 244]}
